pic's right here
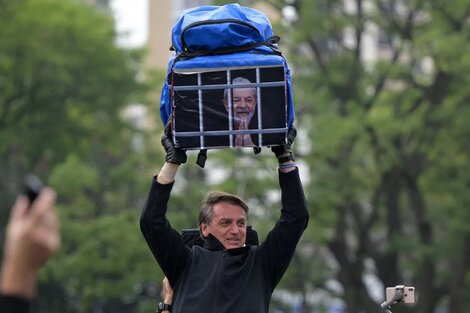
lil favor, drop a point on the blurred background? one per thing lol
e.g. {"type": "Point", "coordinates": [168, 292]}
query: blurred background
{"type": "Point", "coordinates": [382, 100]}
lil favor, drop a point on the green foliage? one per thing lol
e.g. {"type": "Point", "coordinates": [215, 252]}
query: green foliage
{"type": "Point", "coordinates": [388, 137]}
{"type": "Point", "coordinates": [104, 258]}
{"type": "Point", "coordinates": [51, 60]}
{"type": "Point", "coordinates": [64, 89]}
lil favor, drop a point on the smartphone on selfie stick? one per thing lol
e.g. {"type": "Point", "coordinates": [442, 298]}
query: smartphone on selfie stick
{"type": "Point", "coordinates": [398, 294]}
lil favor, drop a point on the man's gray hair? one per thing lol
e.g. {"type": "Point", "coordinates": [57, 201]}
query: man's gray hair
{"type": "Point", "coordinates": [239, 81]}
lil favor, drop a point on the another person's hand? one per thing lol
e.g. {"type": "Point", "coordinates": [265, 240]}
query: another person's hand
{"type": "Point", "coordinates": [32, 238]}
{"type": "Point", "coordinates": [173, 154]}
{"type": "Point", "coordinates": [165, 306]}
{"type": "Point", "coordinates": [286, 149]}
{"type": "Point", "coordinates": [167, 291]}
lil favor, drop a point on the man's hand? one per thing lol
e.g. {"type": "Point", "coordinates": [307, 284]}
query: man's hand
{"type": "Point", "coordinates": [286, 148]}
{"type": "Point", "coordinates": [173, 155]}
{"type": "Point", "coordinates": [32, 238]}
{"type": "Point", "coordinates": [243, 124]}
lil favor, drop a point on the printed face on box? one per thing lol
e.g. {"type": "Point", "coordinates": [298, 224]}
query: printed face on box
{"type": "Point", "coordinates": [229, 108]}
{"type": "Point", "coordinates": [243, 109]}
{"type": "Point", "coordinates": [243, 103]}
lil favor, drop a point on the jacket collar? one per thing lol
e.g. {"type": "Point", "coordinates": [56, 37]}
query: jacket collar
{"type": "Point", "coordinates": [212, 244]}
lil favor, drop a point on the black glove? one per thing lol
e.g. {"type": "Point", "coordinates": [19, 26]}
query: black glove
{"type": "Point", "coordinates": [287, 147]}
{"type": "Point", "coordinates": [173, 154]}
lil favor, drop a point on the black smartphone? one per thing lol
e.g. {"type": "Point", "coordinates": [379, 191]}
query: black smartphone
{"type": "Point", "coordinates": [32, 187]}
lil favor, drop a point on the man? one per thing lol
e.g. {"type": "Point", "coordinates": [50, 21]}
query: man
{"type": "Point", "coordinates": [243, 109]}
{"type": "Point", "coordinates": [224, 275]}
{"type": "Point", "coordinates": [32, 238]}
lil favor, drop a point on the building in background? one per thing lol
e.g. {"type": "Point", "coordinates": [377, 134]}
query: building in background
{"type": "Point", "coordinates": [162, 15]}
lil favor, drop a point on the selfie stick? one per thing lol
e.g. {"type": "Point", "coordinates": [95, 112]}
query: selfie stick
{"type": "Point", "coordinates": [398, 297]}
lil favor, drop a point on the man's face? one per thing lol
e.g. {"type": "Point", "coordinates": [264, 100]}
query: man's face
{"type": "Point", "coordinates": [244, 105]}
{"type": "Point", "coordinates": [228, 225]}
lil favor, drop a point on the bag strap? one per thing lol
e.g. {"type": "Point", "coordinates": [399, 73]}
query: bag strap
{"type": "Point", "coordinates": [271, 42]}
{"type": "Point", "coordinates": [208, 22]}
{"type": "Point", "coordinates": [201, 158]}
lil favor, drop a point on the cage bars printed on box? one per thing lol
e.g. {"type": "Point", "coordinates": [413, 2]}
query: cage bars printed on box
{"type": "Point", "coordinates": [231, 107]}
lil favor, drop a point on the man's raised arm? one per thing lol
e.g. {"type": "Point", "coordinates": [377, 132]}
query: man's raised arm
{"type": "Point", "coordinates": [165, 243]}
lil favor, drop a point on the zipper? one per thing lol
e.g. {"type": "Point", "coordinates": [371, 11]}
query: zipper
{"type": "Point", "coordinates": [210, 22]}
{"type": "Point", "coordinates": [221, 259]}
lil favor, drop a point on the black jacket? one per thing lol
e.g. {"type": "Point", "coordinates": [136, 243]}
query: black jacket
{"type": "Point", "coordinates": [14, 304]}
{"type": "Point", "coordinates": [215, 280]}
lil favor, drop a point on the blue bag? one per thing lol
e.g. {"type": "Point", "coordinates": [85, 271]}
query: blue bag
{"type": "Point", "coordinates": [228, 84]}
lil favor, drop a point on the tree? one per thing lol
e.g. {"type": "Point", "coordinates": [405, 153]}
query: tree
{"type": "Point", "coordinates": [381, 88]}
{"type": "Point", "coordinates": [60, 74]}
{"type": "Point", "coordinates": [64, 86]}
{"type": "Point", "coordinates": [377, 128]}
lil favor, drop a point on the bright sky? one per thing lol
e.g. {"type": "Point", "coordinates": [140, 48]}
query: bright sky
{"type": "Point", "coordinates": [131, 19]}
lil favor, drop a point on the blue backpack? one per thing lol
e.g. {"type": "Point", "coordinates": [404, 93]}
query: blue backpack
{"type": "Point", "coordinates": [221, 52]}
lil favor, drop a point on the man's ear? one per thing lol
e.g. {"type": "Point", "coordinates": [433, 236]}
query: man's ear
{"type": "Point", "coordinates": [204, 230]}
